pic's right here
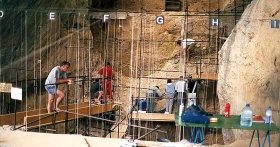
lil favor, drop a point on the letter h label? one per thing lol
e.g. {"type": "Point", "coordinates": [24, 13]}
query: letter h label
{"type": "Point", "coordinates": [215, 22]}
{"type": "Point", "coordinates": [275, 23]}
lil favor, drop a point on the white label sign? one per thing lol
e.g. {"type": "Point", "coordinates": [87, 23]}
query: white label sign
{"type": "Point", "coordinates": [275, 23]}
{"type": "Point", "coordinates": [1, 13]}
{"type": "Point", "coordinates": [16, 93]}
{"type": "Point", "coordinates": [52, 16]}
{"type": "Point", "coordinates": [215, 22]}
{"type": "Point", "coordinates": [106, 17]}
{"type": "Point", "coordinates": [160, 20]}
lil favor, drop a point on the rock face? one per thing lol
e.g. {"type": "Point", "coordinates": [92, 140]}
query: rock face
{"type": "Point", "coordinates": [249, 61]}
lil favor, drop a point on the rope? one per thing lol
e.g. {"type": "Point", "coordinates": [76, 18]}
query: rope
{"type": "Point", "coordinates": [13, 46]}
{"type": "Point", "coordinates": [131, 68]}
{"type": "Point", "coordinates": [140, 48]}
{"type": "Point", "coordinates": [119, 74]}
{"type": "Point", "coordinates": [2, 106]}
{"type": "Point", "coordinates": [26, 64]}
{"type": "Point", "coordinates": [150, 55]}
{"type": "Point", "coordinates": [40, 65]}
{"type": "Point", "coordinates": [77, 88]}
{"type": "Point", "coordinates": [89, 75]}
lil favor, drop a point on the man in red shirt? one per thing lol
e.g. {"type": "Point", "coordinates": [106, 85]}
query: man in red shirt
{"type": "Point", "coordinates": [107, 73]}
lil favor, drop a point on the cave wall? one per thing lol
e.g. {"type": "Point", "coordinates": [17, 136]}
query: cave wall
{"type": "Point", "coordinates": [249, 61]}
{"type": "Point", "coordinates": [67, 37]}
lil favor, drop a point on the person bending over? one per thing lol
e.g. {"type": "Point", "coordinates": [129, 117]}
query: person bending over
{"type": "Point", "coordinates": [107, 75]}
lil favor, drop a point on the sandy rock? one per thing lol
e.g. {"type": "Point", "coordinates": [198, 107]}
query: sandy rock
{"type": "Point", "coordinates": [249, 61]}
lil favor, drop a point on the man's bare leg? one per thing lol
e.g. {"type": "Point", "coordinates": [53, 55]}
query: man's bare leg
{"type": "Point", "coordinates": [50, 103]}
{"type": "Point", "coordinates": [60, 97]}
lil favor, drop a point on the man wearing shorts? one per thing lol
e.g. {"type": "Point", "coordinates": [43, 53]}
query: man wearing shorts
{"type": "Point", "coordinates": [56, 76]}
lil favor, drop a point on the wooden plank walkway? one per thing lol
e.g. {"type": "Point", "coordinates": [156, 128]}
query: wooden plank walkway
{"type": "Point", "coordinates": [153, 117]}
{"type": "Point", "coordinates": [33, 115]}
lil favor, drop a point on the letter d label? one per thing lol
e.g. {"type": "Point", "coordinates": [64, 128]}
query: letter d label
{"type": "Point", "coordinates": [1, 13]}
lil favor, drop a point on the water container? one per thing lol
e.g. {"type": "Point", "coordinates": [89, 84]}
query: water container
{"type": "Point", "coordinates": [143, 105]}
{"type": "Point", "coordinates": [268, 115]}
{"type": "Point", "coordinates": [181, 109]}
{"type": "Point", "coordinates": [246, 116]}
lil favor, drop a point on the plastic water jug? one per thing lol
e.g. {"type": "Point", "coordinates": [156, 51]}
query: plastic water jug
{"type": "Point", "coordinates": [268, 115]}
{"type": "Point", "coordinates": [181, 109]}
{"type": "Point", "coordinates": [143, 105]}
{"type": "Point", "coordinates": [246, 116]}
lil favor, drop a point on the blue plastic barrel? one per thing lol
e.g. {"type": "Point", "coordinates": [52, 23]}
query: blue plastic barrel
{"type": "Point", "coordinates": [143, 105]}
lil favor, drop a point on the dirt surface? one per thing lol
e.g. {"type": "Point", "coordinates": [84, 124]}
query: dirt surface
{"type": "Point", "coordinates": [31, 139]}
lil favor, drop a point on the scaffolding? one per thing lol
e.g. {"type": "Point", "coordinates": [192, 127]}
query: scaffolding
{"type": "Point", "coordinates": [138, 48]}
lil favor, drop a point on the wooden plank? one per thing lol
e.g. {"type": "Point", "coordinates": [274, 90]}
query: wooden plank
{"type": "Point", "coordinates": [112, 15]}
{"type": "Point", "coordinates": [203, 76]}
{"type": "Point", "coordinates": [73, 114]}
{"type": "Point", "coordinates": [153, 117]}
{"type": "Point", "coordinates": [8, 119]}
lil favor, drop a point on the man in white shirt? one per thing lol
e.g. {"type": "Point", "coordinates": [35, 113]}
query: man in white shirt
{"type": "Point", "coordinates": [56, 76]}
{"type": "Point", "coordinates": [181, 87]}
